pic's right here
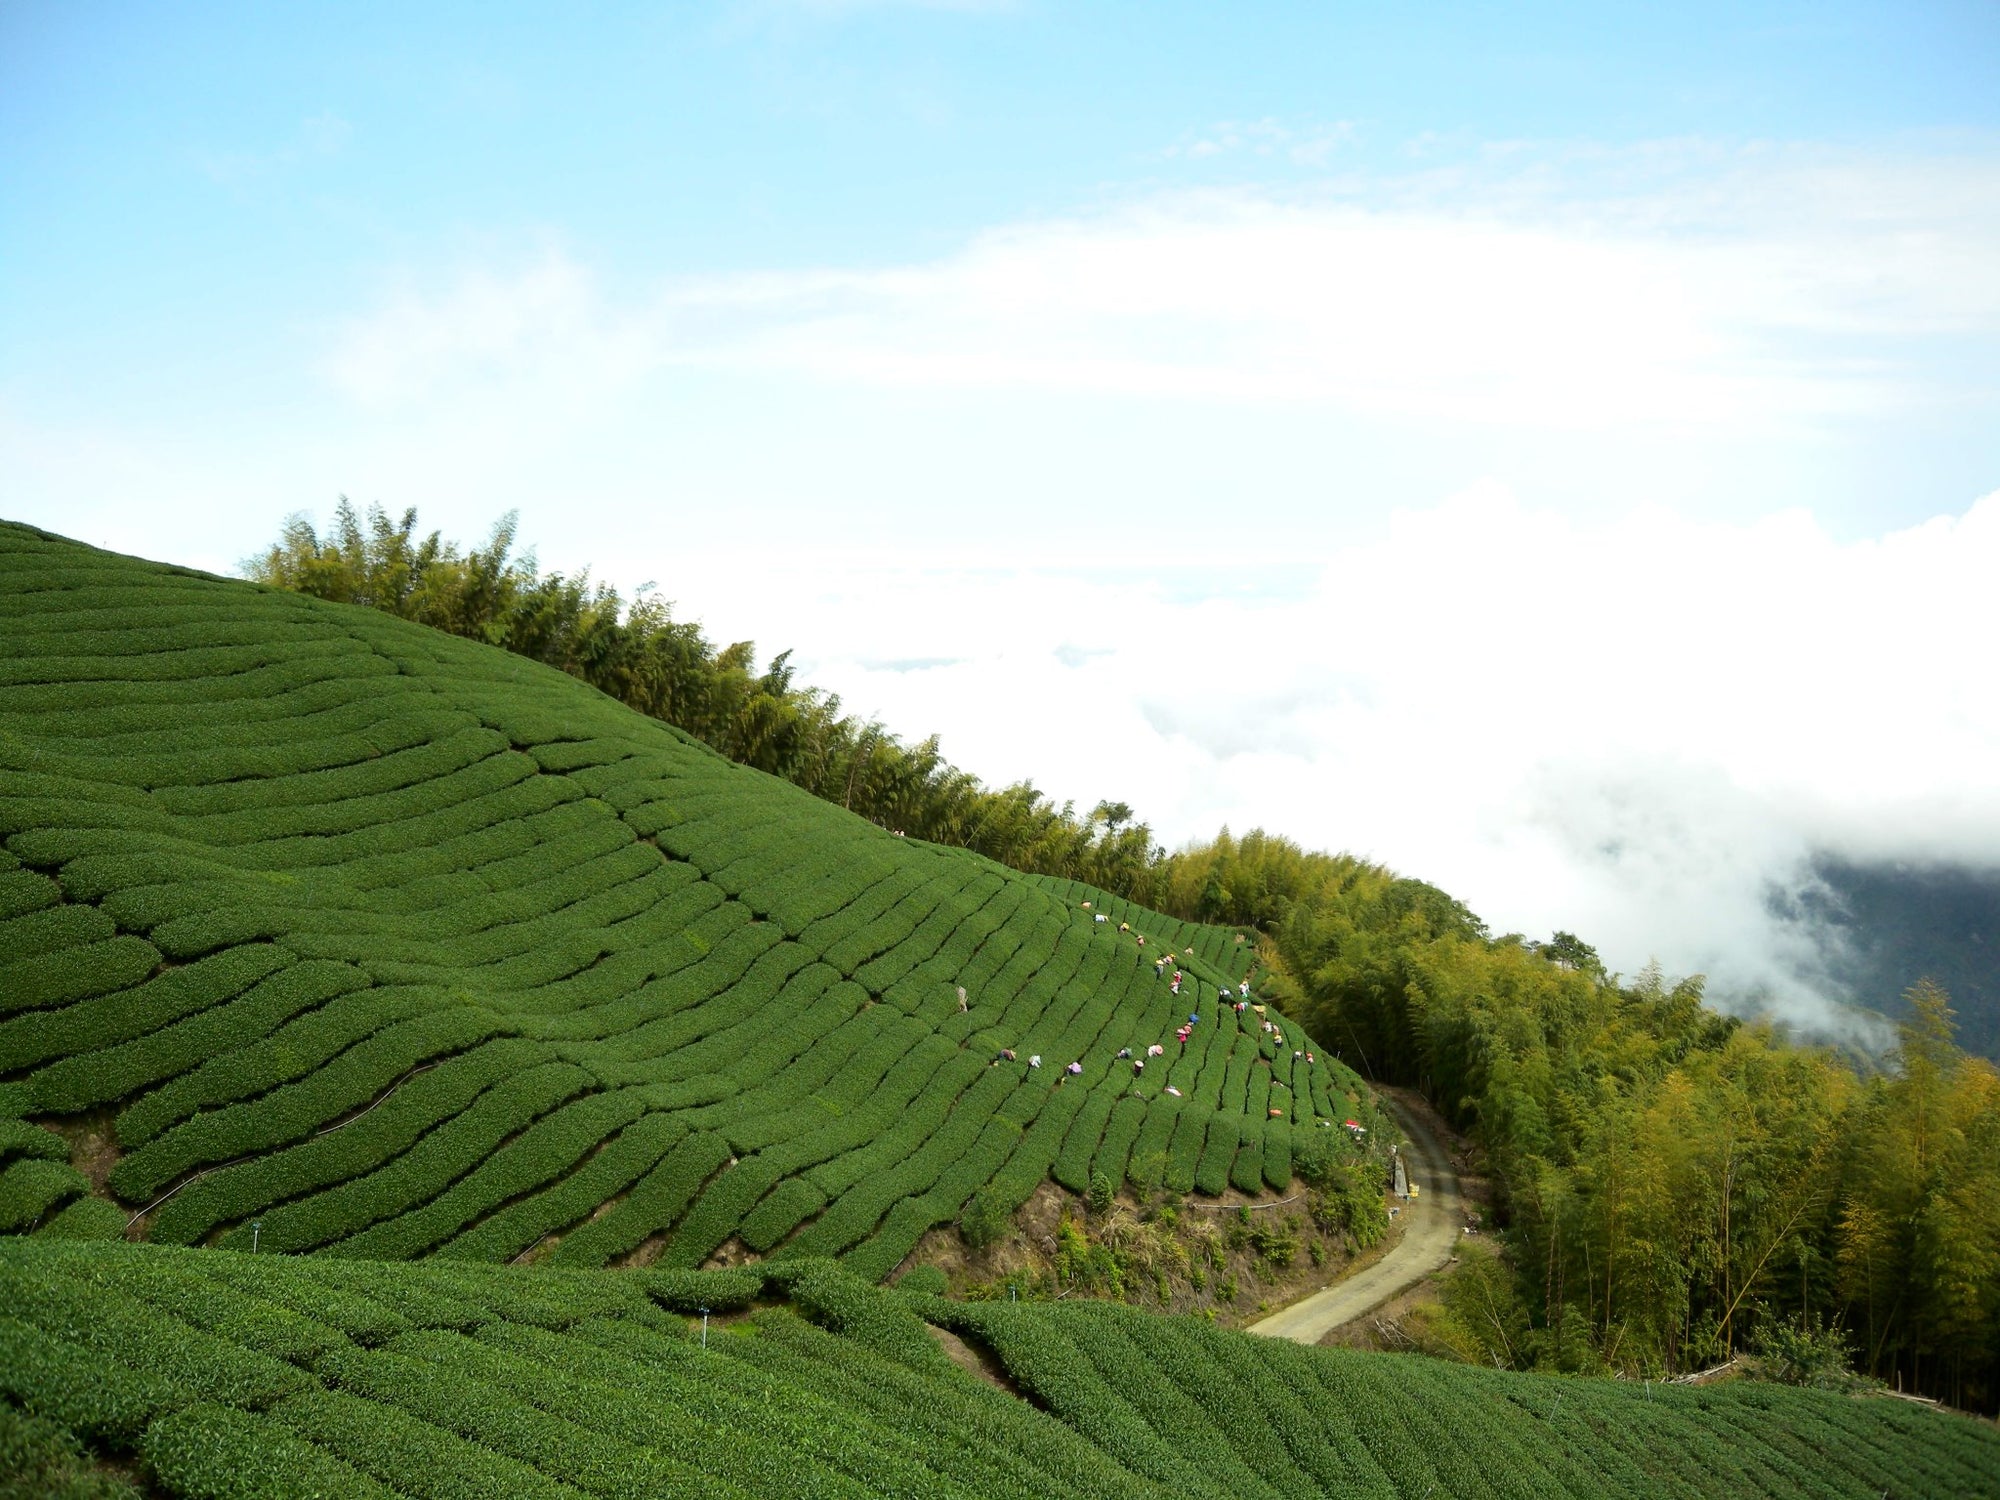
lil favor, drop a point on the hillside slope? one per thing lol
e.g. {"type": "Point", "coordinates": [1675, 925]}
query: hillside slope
{"type": "Point", "coordinates": [384, 941]}
{"type": "Point", "coordinates": [1226, 950]}
{"type": "Point", "coordinates": [243, 1376]}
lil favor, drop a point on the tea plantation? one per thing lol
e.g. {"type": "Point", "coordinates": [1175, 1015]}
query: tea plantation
{"type": "Point", "coordinates": [321, 932]}
{"type": "Point", "coordinates": [233, 1375]}
{"type": "Point", "coordinates": [391, 943]}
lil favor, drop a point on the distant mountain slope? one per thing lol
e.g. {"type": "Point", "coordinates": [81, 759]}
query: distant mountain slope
{"type": "Point", "coordinates": [235, 1375]}
{"type": "Point", "coordinates": [385, 941]}
{"type": "Point", "coordinates": [1879, 927]}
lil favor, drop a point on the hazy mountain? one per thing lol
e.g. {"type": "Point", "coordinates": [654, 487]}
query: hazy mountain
{"type": "Point", "coordinates": [1874, 928]}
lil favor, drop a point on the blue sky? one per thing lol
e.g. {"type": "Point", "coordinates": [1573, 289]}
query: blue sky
{"type": "Point", "coordinates": [1309, 353]}
{"type": "Point", "coordinates": [196, 199]}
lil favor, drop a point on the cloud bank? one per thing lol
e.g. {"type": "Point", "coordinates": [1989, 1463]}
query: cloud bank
{"type": "Point", "coordinates": [1678, 288]}
{"type": "Point", "coordinates": [1629, 729]}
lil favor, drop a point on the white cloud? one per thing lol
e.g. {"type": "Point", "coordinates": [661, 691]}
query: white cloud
{"type": "Point", "coordinates": [1626, 729]}
{"type": "Point", "coordinates": [1681, 292]}
{"type": "Point", "coordinates": [539, 319]}
{"type": "Point", "coordinates": [1309, 146]}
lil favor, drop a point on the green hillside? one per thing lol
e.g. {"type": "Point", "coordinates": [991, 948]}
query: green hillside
{"type": "Point", "coordinates": [1676, 1187]}
{"type": "Point", "coordinates": [367, 938]}
{"type": "Point", "coordinates": [1226, 950]}
{"type": "Point", "coordinates": [325, 932]}
{"type": "Point", "coordinates": [240, 1376]}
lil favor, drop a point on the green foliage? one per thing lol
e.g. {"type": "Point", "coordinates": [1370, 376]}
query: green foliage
{"type": "Point", "coordinates": [1101, 1190]}
{"type": "Point", "coordinates": [1805, 1352]}
{"type": "Point", "coordinates": [1277, 1242]}
{"type": "Point", "coordinates": [1316, 1158]}
{"type": "Point", "coordinates": [85, 1219]}
{"type": "Point", "coordinates": [19, 1140]}
{"type": "Point", "coordinates": [40, 1460]}
{"type": "Point", "coordinates": [1572, 952]}
{"type": "Point", "coordinates": [1348, 1201]}
{"type": "Point", "coordinates": [386, 942]}
{"type": "Point", "coordinates": [718, 1291]}
{"type": "Point", "coordinates": [1482, 1319]}
{"type": "Point", "coordinates": [31, 1188]}
{"type": "Point", "coordinates": [216, 1453]}
{"type": "Point", "coordinates": [924, 1281]}
{"type": "Point", "coordinates": [283, 881]}
{"type": "Point", "coordinates": [850, 1307]}
{"type": "Point", "coordinates": [76, 1388]}
{"type": "Point", "coordinates": [639, 654]}
{"type": "Point", "coordinates": [986, 1218]}
{"type": "Point", "coordinates": [1083, 1264]}
{"type": "Point", "coordinates": [1672, 1181]}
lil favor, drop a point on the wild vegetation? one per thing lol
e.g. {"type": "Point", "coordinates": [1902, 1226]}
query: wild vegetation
{"type": "Point", "coordinates": [1228, 1264]}
{"type": "Point", "coordinates": [1678, 1187]}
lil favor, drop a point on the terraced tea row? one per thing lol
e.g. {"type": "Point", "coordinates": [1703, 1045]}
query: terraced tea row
{"type": "Point", "coordinates": [233, 1375]}
{"type": "Point", "coordinates": [385, 941]}
{"type": "Point", "coordinates": [1227, 950]}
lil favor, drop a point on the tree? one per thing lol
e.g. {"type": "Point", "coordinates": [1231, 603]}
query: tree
{"type": "Point", "coordinates": [1572, 952]}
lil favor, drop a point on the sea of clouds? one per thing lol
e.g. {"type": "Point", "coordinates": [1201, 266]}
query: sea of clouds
{"type": "Point", "coordinates": [1634, 729]}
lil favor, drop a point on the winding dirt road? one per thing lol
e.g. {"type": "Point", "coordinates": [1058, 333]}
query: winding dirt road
{"type": "Point", "coordinates": [1431, 1227]}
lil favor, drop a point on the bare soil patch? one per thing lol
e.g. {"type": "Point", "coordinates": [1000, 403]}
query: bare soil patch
{"type": "Point", "coordinates": [1191, 1255]}
{"type": "Point", "coordinates": [92, 1137]}
{"type": "Point", "coordinates": [975, 1359]}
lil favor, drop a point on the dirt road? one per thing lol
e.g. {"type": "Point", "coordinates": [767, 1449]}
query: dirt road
{"type": "Point", "coordinates": [1431, 1229]}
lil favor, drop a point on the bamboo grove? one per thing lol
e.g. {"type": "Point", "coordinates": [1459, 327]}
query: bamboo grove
{"type": "Point", "coordinates": [1677, 1187]}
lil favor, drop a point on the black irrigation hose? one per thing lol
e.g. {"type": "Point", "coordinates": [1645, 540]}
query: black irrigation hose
{"type": "Point", "coordinates": [252, 1156]}
{"type": "Point", "coordinates": [343, 1124]}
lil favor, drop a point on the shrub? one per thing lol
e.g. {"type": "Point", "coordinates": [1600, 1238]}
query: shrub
{"type": "Point", "coordinates": [31, 1187]}
{"type": "Point", "coordinates": [351, 913]}
{"type": "Point", "coordinates": [20, 1139]}
{"type": "Point", "coordinates": [85, 1219]}
{"type": "Point", "coordinates": [1808, 1353]}
{"type": "Point", "coordinates": [989, 1216]}
{"type": "Point", "coordinates": [215, 1453]}
{"type": "Point", "coordinates": [1276, 1243]}
{"type": "Point", "coordinates": [1313, 1158]}
{"type": "Point", "coordinates": [87, 1393]}
{"type": "Point", "coordinates": [1349, 1202]}
{"type": "Point", "coordinates": [718, 1291]}
{"type": "Point", "coordinates": [1101, 1190]}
